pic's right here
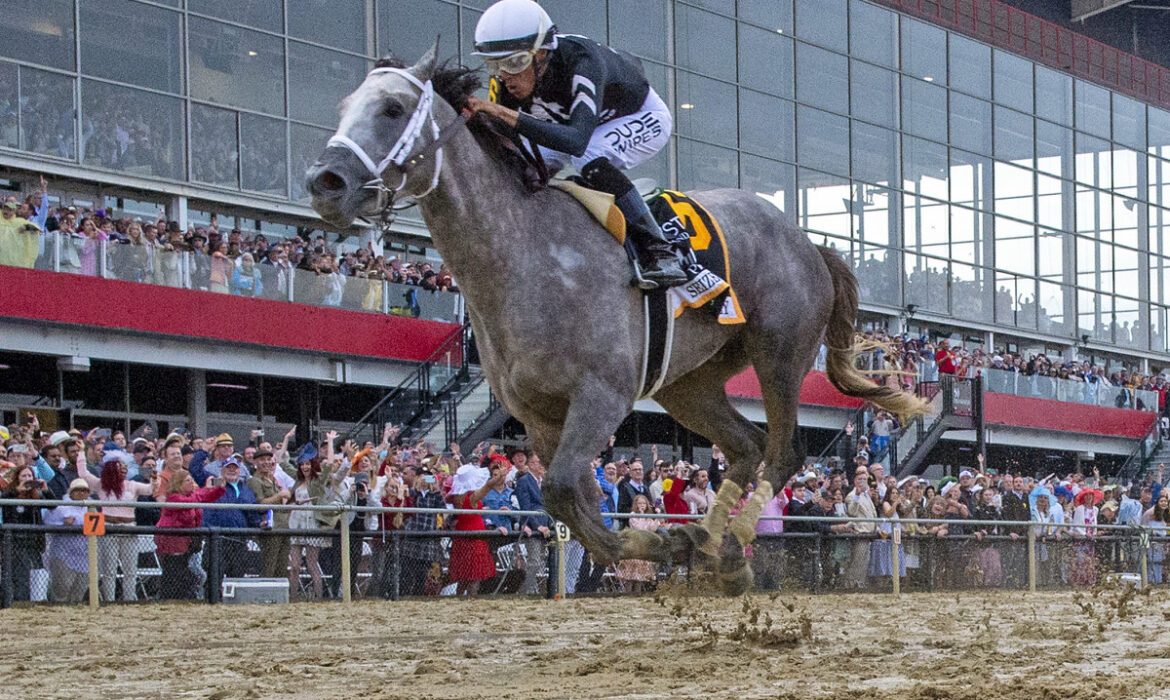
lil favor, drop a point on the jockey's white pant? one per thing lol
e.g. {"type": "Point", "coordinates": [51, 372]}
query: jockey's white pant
{"type": "Point", "coordinates": [626, 142]}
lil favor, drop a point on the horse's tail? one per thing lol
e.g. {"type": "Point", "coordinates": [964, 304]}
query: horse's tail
{"type": "Point", "coordinates": [840, 365]}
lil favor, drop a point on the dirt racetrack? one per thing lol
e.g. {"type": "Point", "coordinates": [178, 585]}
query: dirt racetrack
{"type": "Point", "coordinates": [995, 646]}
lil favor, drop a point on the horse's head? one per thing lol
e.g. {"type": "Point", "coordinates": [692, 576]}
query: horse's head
{"type": "Point", "coordinates": [385, 146]}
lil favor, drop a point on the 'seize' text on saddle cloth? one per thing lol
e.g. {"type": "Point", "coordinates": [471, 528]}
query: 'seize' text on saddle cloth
{"type": "Point", "coordinates": [692, 229]}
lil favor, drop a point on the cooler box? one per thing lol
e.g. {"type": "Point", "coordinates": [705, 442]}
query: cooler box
{"type": "Point", "coordinates": [238, 591]}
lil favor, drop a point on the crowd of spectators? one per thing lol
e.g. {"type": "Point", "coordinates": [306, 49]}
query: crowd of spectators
{"type": "Point", "coordinates": [233, 261]}
{"type": "Point", "coordinates": [904, 361]}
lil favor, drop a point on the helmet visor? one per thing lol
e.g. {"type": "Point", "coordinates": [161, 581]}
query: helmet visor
{"type": "Point", "coordinates": [511, 64]}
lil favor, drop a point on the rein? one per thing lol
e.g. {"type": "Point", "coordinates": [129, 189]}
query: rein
{"type": "Point", "coordinates": [400, 154]}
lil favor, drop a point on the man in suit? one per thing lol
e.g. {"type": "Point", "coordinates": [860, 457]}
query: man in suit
{"type": "Point", "coordinates": [535, 528]}
{"type": "Point", "coordinates": [630, 487]}
{"type": "Point", "coordinates": [1015, 507]}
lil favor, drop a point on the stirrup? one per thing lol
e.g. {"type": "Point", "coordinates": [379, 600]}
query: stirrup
{"type": "Point", "coordinates": [641, 282]}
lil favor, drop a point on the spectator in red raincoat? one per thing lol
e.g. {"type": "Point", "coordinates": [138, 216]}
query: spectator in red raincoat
{"type": "Point", "coordinates": [174, 551]}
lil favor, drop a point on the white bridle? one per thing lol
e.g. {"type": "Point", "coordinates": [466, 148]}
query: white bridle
{"type": "Point", "coordinates": [399, 153]}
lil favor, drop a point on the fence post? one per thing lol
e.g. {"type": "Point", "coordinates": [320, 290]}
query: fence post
{"type": "Point", "coordinates": [346, 593]}
{"type": "Point", "coordinates": [7, 583]}
{"type": "Point", "coordinates": [1031, 559]}
{"type": "Point", "coordinates": [550, 586]}
{"type": "Point", "coordinates": [214, 567]}
{"type": "Point", "coordinates": [1145, 567]}
{"type": "Point", "coordinates": [560, 567]}
{"type": "Point", "coordinates": [896, 558]}
{"type": "Point", "coordinates": [91, 542]}
{"type": "Point", "coordinates": [819, 571]}
{"type": "Point", "coordinates": [395, 566]}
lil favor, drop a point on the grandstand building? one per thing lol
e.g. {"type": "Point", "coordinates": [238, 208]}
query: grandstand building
{"type": "Point", "coordinates": [996, 172]}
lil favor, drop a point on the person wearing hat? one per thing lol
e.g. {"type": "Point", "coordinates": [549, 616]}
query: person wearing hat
{"type": "Point", "coordinates": [471, 559]}
{"type": "Point", "coordinates": [274, 549]}
{"type": "Point", "coordinates": [68, 554]}
{"type": "Point", "coordinates": [236, 490]}
{"type": "Point", "coordinates": [224, 447]}
{"type": "Point", "coordinates": [1084, 567]}
{"type": "Point", "coordinates": [117, 550]}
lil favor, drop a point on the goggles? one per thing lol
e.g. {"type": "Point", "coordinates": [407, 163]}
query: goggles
{"type": "Point", "coordinates": [511, 64]}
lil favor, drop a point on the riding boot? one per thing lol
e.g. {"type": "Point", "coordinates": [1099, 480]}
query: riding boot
{"type": "Point", "coordinates": [663, 267]}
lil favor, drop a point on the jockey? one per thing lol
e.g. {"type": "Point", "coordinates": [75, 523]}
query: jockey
{"type": "Point", "coordinates": [580, 103]}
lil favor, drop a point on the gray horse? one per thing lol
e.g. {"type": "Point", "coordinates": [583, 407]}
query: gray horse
{"type": "Point", "coordinates": [559, 327]}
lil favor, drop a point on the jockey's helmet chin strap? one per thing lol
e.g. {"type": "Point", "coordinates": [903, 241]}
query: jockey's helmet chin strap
{"type": "Point", "coordinates": [400, 154]}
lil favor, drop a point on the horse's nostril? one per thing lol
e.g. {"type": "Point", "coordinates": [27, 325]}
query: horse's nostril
{"type": "Point", "coordinates": [329, 181]}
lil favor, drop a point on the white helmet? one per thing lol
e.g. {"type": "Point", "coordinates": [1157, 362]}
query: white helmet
{"type": "Point", "coordinates": [514, 25]}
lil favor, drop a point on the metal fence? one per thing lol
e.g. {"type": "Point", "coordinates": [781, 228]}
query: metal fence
{"type": "Point", "coordinates": [59, 564]}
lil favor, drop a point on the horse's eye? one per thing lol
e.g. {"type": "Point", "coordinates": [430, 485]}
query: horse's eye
{"type": "Point", "coordinates": [392, 109]}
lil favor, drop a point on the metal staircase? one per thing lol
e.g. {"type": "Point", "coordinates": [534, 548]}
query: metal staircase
{"type": "Point", "coordinates": [955, 404]}
{"type": "Point", "coordinates": [1149, 452]}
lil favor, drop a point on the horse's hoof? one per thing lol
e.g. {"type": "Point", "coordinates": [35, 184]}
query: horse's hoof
{"type": "Point", "coordinates": [685, 539]}
{"type": "Point", "coordinates": [737, 582]}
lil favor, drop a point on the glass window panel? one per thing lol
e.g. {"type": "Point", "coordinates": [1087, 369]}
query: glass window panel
{"type": "Point", "coordinates": [1125, 221]}
{"type": "Point", "coordinates": [1094, 314]}
{"type": "Point", "coordinates": [924, 109]}
{"type": "Point", "coordinates": [1159, 132]}
{"type": "Point", "coordinates": [822, 78]}
{"type": "Point", "coordinates": [264, 154]}
{"type": "Point", "coordinates": [1055, 300]}
{"type": "Point", "coordinates": [148, 140]}
{"type": "Point", "coordinates": [765, 125]}
{"type": "Point", "coordinates": [1125, 271]}
{"type": "Point", "coordinates": [969, 292]}
{"type": "Point", "coordinates": [1160, 234]}
{"type": "Point", "coordinates": [823, 203]}
{"type": "Point", "coordinates": [711, 115]}
{"type": "Point", "coordinates": [969, 235]}
{"type": "Point", "coordinates": [1051, 195]}
{"type": "Point", "coordinates": [775, 181]}
{"type": "Point", "coordinates": [970, 179]}
{"type": "Point", "coordinates": [1126, 166]}
{"type": "Point", "coordinates": [1094, 213]}
{"type": "Point", "coordinates": [924, 51]}
{"type": "Point", "coordinates": [337, 23]}
{"type": "Point", "coordinates": [9, 106]}
{"type": "Point", "coordinates": [1159, 182]}
{"type": "Point", "coordinates": [823, 22]}
{"type": "Point", "coordinates": [1092, 109]}
{"type": "Point", "coordinates": [876, 210]}
{"type": "Point", "coordinates": [657, 168]}
{"type": "Point", "coordinates": [1015, 246]}
{"type": "Point", "coordinates": [1050, 259]}
{"type": "Point", "coordinates": [38, 31]}
{"type": "Point", "coordinates": [1013, 137]}
{"type": "Point", "coordinates": [47, 109]}
{"type": "Point", "coordinates": [660, 77]}
{"type": "Point", "coordinates": [1129, 122]}
{"type": "Point", "coordinates": [822, 140]}
{"type": "Point", "coordinates": [773, 14]}
{"type": "Point", "coordinates": [765, 60]}
{"type": "Point", "coordinates": [318, 80]}
{"type": "Point", "coordinates": [875, 154]}
{"type": "Point", "coordinates": [972, 66]}
{"type": "Point", "coordinates": [926, 282]}
{"type": "Point", "coordinates": [584, 17]}
{"type": "Point", "coordinates": [1158, 336]}
{"type": "Point", "coordinates": [105, 52]}
{"type": "Point", "coordinates": [408, 35]}
{"type": "Point", "coordinates": [970, 123]}
{"type": "Point", "coordinates": [1094, 161]}
{"type": "Point", "coordinates": [214, 146]}
{"type": "Point", "coordinates": [876, 269]}
{"type": "Point", "coordinates": [924, 167]}
{"type": "Point", "coordinates": [639, 26]}
{"type": "Point", "coordinates": [262, 14]}
{"type": "Point", "coordinates": [1094, 260]}
{"type": "Point", "coordinates": [703, 41]}
{"type": "Point", "coordinates": [727, 7]}
{"type": "Point", "coordinates": [1125, 322]}
{"type": "Point", "coordinates": [875, 94]}
{"type": "Point", "coordinates": [236, 67]}
{"type": "Point", "coordinates": [1054, 149]}
{"type": "Point", "coordinates": [702, 166]}
{"type": "Point", "coordinates": [1013, 81]}
{"type": "Point", "coordinates": [1015, 300]}
{"type": "Point", "coordinates": [873, 33]}
{"type": "Point", "coordinates": [467, 22]}
{"type": "Point", "coordinates": [925, 225]}
{"type": "Point", "coordinates": [307, 144]}
{"type": "Point", "coordinates": [1054, 95]}
{"type": "Point", "coordinates": [1014, 192]}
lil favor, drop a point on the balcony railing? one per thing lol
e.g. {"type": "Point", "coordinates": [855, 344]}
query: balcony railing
{"type": "Point", "coordinates": [187, 270]}
{"type": "Point", "coordinates": [1004, 26]}
{"type": "Point", "coordinates": [1090, 393]}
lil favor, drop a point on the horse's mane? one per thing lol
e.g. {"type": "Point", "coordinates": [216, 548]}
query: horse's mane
{"type": "Point", "coordinates": [455, 83]}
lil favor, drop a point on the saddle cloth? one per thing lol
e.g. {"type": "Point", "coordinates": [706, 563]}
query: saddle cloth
{"type": "Point", "coordinates": [693, 232]}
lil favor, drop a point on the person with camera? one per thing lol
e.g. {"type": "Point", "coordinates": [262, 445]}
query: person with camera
{"type": "Point", "coordinates": [420, 554]}
{"type": "Point", "coordinates": [233, 548]}
{"type": "Point", "coordinates": [27, 546]}
{"type": "Point", "coordinates": [179, 581]}
{"type": "Point", "coordinates": [267, 490]}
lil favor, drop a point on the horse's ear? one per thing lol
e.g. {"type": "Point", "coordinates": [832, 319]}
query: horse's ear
{"type": "Point", "coordinates": [425, 68]}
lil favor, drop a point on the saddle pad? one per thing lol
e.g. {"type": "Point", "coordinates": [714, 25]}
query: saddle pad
{"type": "Point", "coordinates": [688, 225]}
{"type": "Point", "coordinates": [599, 204]}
